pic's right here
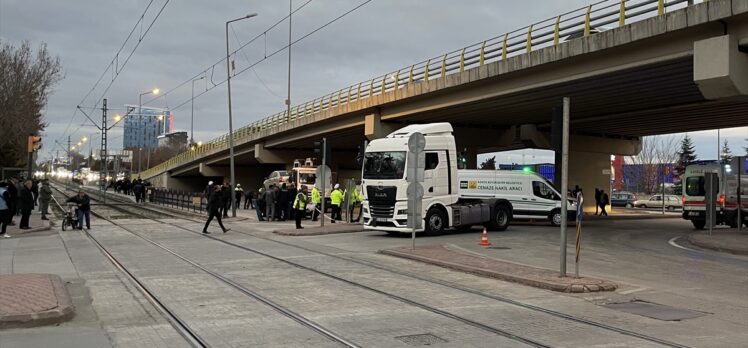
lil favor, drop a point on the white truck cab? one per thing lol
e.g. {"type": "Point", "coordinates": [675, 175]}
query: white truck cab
{"type": "Point", "coordinates": [452, 197]}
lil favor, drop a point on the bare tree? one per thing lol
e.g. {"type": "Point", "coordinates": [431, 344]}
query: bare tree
{"type": "Point", "coordinates": [25, 84]}
{"type": "Point", "coordinates": [658, 152]}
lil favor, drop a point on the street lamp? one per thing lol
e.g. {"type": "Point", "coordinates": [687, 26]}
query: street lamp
{"type": "Point", "coordinates": [140, 117]}
{"type": "Point", "coordinates": [192, 117]}
{"type": "Point", "coordinates": [231, 126]}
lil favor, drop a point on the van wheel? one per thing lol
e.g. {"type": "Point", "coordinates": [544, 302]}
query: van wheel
{"type": "Point", "coordinates": [500, 218]}
{"type": "Point", "coordinates": [629, 205]}
{"type": "Point", "coordinates": [435, 221]}
{"type": "Point", "coordinates": [699, 225]}
{"type": "Point", "coordinates": [555, 217]}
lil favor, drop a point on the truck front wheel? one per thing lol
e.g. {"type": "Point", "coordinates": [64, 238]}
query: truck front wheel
{"type": "Point", "coordinates": [500, 218]}
{"type": "Point", "coordinates": [699, 224]}
{"type": "Point", "coordinates": [435, 221]}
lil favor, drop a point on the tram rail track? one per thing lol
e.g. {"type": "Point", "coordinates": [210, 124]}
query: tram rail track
{"type": "Point", "coordinates": [178, 323]}
{"type": "Point", "coordinates": [427, 279]}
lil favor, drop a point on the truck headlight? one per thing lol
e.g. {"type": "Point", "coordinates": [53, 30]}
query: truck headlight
{"type": "Point", "coordinates": [402, 212]}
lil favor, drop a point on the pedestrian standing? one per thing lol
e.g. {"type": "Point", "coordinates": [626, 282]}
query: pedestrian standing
{"type": "Point", "coordinates": [5, 214]}
{"type": "Point", "coordinates": [356, 200]}
{"type": "Point", "coordinates": [283, 202]}
{"type": "Point", "coordinates": [26, 204]}
{"type": "Point", "coordinates": [260, 207]}
{"type": "Point", "coordinates": [238, 193]}
{"type": "Point", "coordinates": [13, 202]}
{"type": "Point", "coordinates": [270, 203]}
{"type": "Point", "coordinates": [214, 209]}
{"type": "Point", "coordinates": [45, 195]}
{"type": "Point", "coordinates": [83, 203]}
{"type": "Point", "coordinates": [598, 196]}
{"type": "Point", "coordinates": [317, 202]}
{"type": "Point", "coordinates": [292, 192]}
{"type": "Point", "coordinates": [336, 199]}
{"type": "Point", "coordinates": [248, 196]}
{"type": "Point", "coordinates": [299, 205]}
{"type": "Point", "coordinates": [35, 191]}
{"type": "Point", "coordinates": [604, 200]}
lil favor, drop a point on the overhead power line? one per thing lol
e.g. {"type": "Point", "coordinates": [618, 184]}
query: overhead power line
{"type": "Point", "coordinates": [251, 66]}
{"type": "Point", "coordinates": [114, 67]}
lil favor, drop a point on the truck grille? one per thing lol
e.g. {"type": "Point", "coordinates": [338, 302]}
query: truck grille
{"type": "Point", "coordinates": [382, 211]}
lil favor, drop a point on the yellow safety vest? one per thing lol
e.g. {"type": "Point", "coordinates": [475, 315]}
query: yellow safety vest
{"type": "Point", "coordinates": [336, 197]}
{"type": "Point", "coordinates": [300, 204]}
{"type": "Point", "coordinates": [316, 197]}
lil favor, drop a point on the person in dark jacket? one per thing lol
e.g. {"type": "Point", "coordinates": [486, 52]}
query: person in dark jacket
{"type": "Point", "coordinates": [84, 208]}
{"type": "Point", "coordinates": [26, 204]}
{"type": "Point", "coordinates": [215, 202]}
{"type": "Point", "coordinates": [5, 214]}
{"type": "Point", "coordinates": [598, 197]}
{"type": "Point", "coordinates": [35, 191]}
{"type": "Point", "coordinates": [604, 201]}
{"type": "Point", "coordinates": [226, 197]}
{"type": "Point", "coordinates": [139, 190]}
{"type": "Point", "coordinates": [13, 202]}
{"type": "Point", "coordinates": [283, 203]}
{"type": "Point", "coordinates": [292, 192]}
{"type": "Point", "coordinates": [248, 199]}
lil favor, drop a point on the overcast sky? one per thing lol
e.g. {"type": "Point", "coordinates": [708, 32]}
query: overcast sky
{"type": "Point", "coordinates": [189, 36]}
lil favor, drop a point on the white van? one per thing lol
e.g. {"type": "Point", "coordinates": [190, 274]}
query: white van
{"type": "Point", "coordinates": [531, 195]}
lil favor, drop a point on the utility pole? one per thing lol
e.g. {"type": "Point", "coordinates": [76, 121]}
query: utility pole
{"type": "Point", "coordinates": [70, 160]}
{"type": "Point", "coordinates": [288, 98]}
{"type": "Point", "coordinates": [564, 181]}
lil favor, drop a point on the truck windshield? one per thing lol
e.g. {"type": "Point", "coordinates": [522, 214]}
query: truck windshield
{"type": "Point", "coordinates": [384, 165]}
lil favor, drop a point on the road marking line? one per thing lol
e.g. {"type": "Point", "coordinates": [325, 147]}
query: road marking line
{"type": "Point", "coordinates": [673, 243]}
{"type": "Point", "coordinates": [632, 291]}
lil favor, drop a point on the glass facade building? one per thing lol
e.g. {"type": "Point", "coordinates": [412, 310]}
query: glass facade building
{"type": "Point", "coordinates": [143, 127]}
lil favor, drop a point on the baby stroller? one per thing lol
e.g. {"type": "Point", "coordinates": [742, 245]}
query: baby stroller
{"type": "Point", "coordinates": [71, 217]}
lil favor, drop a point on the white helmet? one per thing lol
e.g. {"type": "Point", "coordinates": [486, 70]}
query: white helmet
{"type": "Point", "coordinates": [337, 185]}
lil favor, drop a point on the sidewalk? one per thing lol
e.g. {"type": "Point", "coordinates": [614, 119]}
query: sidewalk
{"type": "Point", "coordinates": [312, 228]}
{"type": "Point", "coordinates": [35, 222]}
{"type": "Point", "coordinates": [33, 300]}
{"type": "Point", "coordinates": [727, 240]}
{"type": "Point", "coordinates": [442, 255]}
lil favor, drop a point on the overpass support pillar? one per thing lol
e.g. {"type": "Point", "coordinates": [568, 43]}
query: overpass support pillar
{"type": "Point", "coordinates": [268, 156]}
{"type": "Point", "coordinates": [374, 128]}
{"type": "Point", "coordinates": [719, 68]}
{"type": "Point", "coordinates": [589, 170]}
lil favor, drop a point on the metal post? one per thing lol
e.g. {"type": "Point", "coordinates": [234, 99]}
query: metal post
{"type": "Point", "coordinates": [740, 193]}
{"type": "Point", "coordinates": [663, 187]}
{"type": "Point", "coordinates": [231, 125]}
{"type": "Point", "coordinates": [70, 160]}
{"type": "Point", "coordinates": [288, 98]}
{"type": "Point", "coordinates": [103, 172]}
{"type": "Point", "coordinates": [323, 185]}
{"type": "Point", "coordinates": [564, 182]}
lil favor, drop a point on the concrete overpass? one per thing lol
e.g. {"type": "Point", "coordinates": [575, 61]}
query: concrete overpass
{"type": "Point", "coordinates": [662, 68]}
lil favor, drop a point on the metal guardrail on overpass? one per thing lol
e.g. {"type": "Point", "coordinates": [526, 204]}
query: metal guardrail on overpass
{"type": "Point", "coordinates": [582, 22]}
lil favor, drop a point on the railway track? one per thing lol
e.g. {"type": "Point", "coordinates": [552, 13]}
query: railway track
{"type": "Point", "coordinates": [426, 279]}
{"type": "Point", "coordinates": [178, 323]}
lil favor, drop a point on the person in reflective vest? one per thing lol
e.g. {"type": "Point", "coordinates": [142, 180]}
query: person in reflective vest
{"type": "Point", "coordinates": [299, 205]}
{"type": "Point", "coordinates": [356, 199]}
{"type": "Point", "coordinates": [317, 201]}
{"type": "Point", "coordinates": [336, 199]}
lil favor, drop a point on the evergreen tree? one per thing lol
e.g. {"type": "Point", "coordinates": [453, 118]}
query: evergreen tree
{"type": "Point", "coordinates": [489, 163]}
{"type": "Point", "coordinates": [686, 156]}
{"type": "Point", "coordinates": [726, 154]}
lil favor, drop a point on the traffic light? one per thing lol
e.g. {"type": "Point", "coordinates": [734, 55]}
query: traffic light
{"type": "Point", "coordinates": [34, 143]}
{"type": "Point", "coordinates": [322, 150]}
{"type": "Point", "coordinates": [462, 160]}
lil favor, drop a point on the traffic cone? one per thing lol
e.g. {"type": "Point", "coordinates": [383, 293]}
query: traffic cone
{"type": "Point", "coordinates": [484, 239]}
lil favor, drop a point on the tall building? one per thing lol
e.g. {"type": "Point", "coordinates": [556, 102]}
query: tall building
{"type": "Point", "coordinates": [143, 127]}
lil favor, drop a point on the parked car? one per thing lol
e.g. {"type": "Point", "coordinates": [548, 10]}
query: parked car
{"type": "Point", "coordinates": [277, 178]}
{"type": "Point", "coordinates": [622, 199]}
{"type": "Point", "coordinates": [671, 202]}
